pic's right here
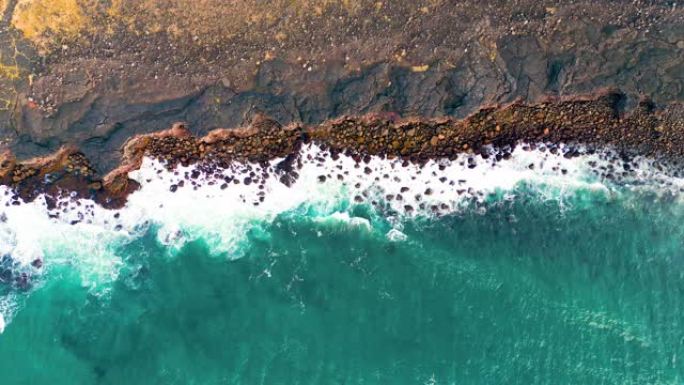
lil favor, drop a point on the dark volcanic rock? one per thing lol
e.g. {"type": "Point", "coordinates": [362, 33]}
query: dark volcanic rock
{"type": "Point", "coordinates": [139, 66]}
{"type": "Point", "coordinates": [646, 130]}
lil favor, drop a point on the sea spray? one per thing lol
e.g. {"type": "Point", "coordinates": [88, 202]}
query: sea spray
{"type": "Point", "coordinates": [532, 236]}
{"type": "Point", "coordinates": [186, 203]}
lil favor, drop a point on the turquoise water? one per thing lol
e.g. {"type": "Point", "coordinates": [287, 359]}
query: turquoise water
{"type": "Point", "coordinates": [587, 289]}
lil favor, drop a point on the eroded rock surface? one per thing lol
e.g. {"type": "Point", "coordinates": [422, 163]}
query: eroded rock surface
{"type": "Point", "coordinates": [93, 73]}
{"type": "Point", "coordinates": [490, 132]}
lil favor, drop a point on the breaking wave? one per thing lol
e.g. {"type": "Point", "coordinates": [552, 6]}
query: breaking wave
{"type": "Point", "coordinates": [221, 206]}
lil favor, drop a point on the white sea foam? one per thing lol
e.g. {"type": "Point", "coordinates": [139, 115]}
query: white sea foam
{"type": "Point", "coordinates": [86, 236]}
{"type": "Point", "coordinates": [222, 214]}
{"type": "Point", "coordinates": [345, 218]}
{"type": "Point", "coordinates": [8, 307]}
{"type": "Point", "coordinates": [395, 235]}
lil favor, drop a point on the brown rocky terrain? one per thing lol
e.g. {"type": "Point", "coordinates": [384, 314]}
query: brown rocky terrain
{"type": "Point", "coordinates": [490, 132]}
{"type": "Point", "coordinates": [93, 73]}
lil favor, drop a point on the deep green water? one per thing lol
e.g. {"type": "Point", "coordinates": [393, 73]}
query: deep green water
{"type": "Point", "coordinates": [583, 290]}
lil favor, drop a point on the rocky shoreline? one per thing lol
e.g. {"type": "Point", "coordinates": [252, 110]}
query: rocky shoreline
{"type": "Point", "coordinates": [95, 73]}
{"type": "Point", "coordinates": [492, 131]}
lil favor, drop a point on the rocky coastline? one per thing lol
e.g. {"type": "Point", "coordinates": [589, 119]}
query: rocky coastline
{"type": "Point", "coordinates": [494, 131]}
{"type": "Point", "coordinates": [95, 73]}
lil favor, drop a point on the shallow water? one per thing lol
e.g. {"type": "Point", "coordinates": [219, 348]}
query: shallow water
{"type": "Point", "coordinates": [533, 277]}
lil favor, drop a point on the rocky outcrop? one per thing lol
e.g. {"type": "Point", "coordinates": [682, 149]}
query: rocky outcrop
{"type": "Point", "coordinates": [492, 131]}
{"type": "Point", "coordinates": [101, 72]}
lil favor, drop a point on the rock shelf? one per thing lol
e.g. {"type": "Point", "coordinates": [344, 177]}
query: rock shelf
{"type": "Point", "coordinates": [492, 131]}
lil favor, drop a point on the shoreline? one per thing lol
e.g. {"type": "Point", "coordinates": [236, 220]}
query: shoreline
{"type": "Point", "coordinates": [590, 121]}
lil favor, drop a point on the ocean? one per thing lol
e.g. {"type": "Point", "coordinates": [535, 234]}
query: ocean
{"type": "Point", "coordinates": [539, 269]}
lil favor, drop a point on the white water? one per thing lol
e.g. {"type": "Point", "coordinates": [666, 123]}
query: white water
{"type": "Point", "coordinates": [222, 216]}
